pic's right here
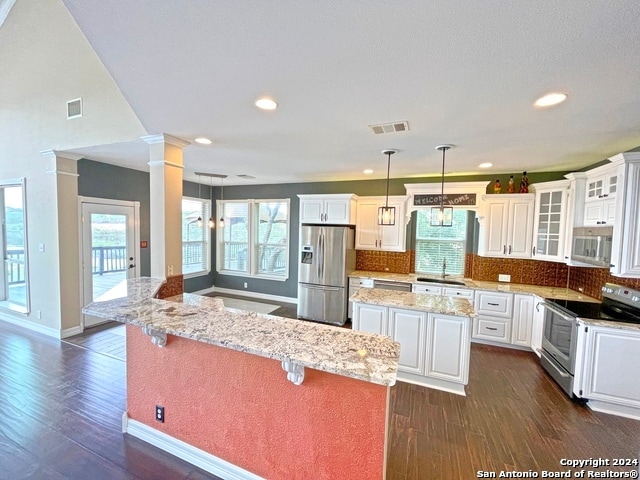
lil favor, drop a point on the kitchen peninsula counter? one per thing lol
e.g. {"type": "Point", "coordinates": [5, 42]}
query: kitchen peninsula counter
{"type": "Point", "coordinates": [205, 319]}
{"type": "Point", "coordinates": [216, 374]}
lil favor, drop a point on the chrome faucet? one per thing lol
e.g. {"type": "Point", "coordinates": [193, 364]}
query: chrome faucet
{"type": "Point", "coordinates": [444, 267]}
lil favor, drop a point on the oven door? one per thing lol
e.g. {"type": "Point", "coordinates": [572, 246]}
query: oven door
{"type": "Point", "coordinates": [560, 337]}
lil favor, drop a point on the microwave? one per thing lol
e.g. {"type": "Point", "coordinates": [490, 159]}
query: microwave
{"type": "Point", "coordinates": [592, 245]}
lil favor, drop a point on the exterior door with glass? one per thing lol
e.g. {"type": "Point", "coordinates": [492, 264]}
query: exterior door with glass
{"type": "Point", "coordinates": [109, 254]}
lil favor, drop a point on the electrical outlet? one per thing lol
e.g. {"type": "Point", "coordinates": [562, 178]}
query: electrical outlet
{"type": "Point", "coordinates": [39, 314]}
{"type": "Point", "coordinates": [504, 278]}
{"type": "Point", "coordinates": [160, 413]}
{"type": "Point", "coordinates": [170, 270]}
{"type": "Point", "coordinates": [245, 284]}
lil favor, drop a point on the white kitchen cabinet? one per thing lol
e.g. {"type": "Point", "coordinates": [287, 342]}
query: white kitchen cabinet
{"type": "Point", "coordinates": [625, 255]}
{"type": "Point", "coordinates": [338, 209]}
{"type": "Point", "coordinates": [494, 320]}
{"type": "Point", "coordinates": [610, 369]}
{"type": "Point", "coordinates": [549, 229]}
{"type": "Point", "coordinates": [600, 196]}
{"type": "Point", "coordinates": [426, 288]}
{"type": "Point", "coordinates": [370, 318]}
{"type": "Point", "coordinates": [508, 225]}
{"type": "Point", "coordinates": [409, 328]}
{"type": "Point", "coordinates": [522, 320]}
{"type": "Point", "coordinates": [537, 328]}
{"type": "Point", "coordinates": [355, 284]}
{"type": "Point", "coordinates": [370, 235]}
{"type": "Point", "coordinates": [449, 348]}
{"type": "Point", "coordinates": [467, 293]}
{"type": "Point", "coordinates": [434, 348]}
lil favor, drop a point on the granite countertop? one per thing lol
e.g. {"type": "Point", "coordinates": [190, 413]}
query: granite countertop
{"type": "Point", "coordinates": [426, 302]}
{"type": "Point", "coordinates": [544, 292]}
{"type": "Point", "coordinates": [369, 357]}
{"type": "Point", "coordinates": [610, 324]}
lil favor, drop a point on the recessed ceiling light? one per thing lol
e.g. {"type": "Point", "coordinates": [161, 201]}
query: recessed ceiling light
{"type": "Point", "coordinates": [266, 103]}
{"type": "Point", "coordinates": [486, 165]}
{"type": "Point", "coordinates": [203, 141]}
{"type": "Point", "coordinates": [368, 171]}
{"type": "Point", "coordinates": [550, 99]}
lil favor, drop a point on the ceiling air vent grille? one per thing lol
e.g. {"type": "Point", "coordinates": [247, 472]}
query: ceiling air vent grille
{"type": "Point", "coordinates": [246, 177]}
{"type": "Point", "coordinates": [389, 127]}
{"type": "Point", "coordinates": [74, 108]}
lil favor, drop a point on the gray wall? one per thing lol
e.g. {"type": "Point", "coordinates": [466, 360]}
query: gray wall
{"type": "Point", "coordinates": [108, 181]}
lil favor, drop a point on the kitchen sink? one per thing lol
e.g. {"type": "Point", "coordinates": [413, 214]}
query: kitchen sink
{"type": "Point", "coordinates": [442, 281]}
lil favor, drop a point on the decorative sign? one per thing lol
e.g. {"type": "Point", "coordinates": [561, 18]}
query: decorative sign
{"type": "Point", "coordinates": [433, 200]}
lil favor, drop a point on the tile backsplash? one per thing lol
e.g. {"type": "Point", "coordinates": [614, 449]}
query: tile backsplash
{"type": "Point", "coordinates": [531, 272]}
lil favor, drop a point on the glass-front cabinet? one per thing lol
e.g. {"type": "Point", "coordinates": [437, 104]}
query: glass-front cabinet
{"type": "Point", "coordinates": [550, 220]}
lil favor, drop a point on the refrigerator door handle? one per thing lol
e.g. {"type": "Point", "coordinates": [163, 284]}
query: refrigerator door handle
{"type": "Point", "coordinates": [320, 287]}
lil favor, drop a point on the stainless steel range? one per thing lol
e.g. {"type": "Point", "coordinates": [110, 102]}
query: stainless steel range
{"type": "Point", "coordinates": [559, 341]}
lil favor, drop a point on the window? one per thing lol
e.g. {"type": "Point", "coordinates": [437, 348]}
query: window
{"type": "Point", "coordinates": [14, 282]}
{"type": "Point", "coordinates": [435, 244]}
{"type": "Point", "coordinates": [255, 238]}
{"type": "Point", "coordinates": [195, 237]}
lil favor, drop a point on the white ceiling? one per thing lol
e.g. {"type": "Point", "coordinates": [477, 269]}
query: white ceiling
{"type": "Point", "coordinates": [461, 72]}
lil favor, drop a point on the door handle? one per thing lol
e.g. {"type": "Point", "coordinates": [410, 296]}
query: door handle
{"type": "Point", "coordinates": [132, 265]}
{"type": "Point", "coordinates": [493, 304]}
{"type": "Point", "coordinates": [534, 251]}
{"type": "Point", "coordinates": [509, 249]}
{"type": "Point", "coordinates": [504, 249]}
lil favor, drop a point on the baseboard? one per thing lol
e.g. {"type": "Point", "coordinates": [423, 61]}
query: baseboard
{"type": "Point", "coordinates": [186, 452]}
{"type": "Point", "coordinates": [48, 331]}
{"type": "Point", "coordinates": [614, 409]}
{"type": "Point", "coordinates": [70, 332]}
{"type": "Point", "coordinates": [245, 293]}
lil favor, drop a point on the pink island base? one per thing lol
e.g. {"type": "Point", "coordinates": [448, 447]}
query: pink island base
{"type": "Point", "coordinates": [241, 408]}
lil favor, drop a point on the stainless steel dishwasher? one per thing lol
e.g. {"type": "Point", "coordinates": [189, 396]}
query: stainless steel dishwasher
{"type": "Point", "coordinates": [386, 285]}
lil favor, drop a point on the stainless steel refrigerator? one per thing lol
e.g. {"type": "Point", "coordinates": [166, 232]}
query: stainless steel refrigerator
{"type": "Point", "coordinates": [327, 256]}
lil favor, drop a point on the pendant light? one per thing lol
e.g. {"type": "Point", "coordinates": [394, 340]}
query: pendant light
{"type": "Point", "coordinates": [221, 222]}
{"type": "Point", "coordinates": [442, 216]}
{"type": "Point", "coordinates": [199, 220]}
{"type": "Point", "coordinates": [212, 223]}
{"type": "Point", "coordinates": [387, 214]}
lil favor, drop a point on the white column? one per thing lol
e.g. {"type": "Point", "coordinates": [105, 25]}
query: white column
{"type": "Point", "coordinates": [166, 173]}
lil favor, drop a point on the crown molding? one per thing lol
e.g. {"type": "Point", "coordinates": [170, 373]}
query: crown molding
{"type": "Point", "coordinates": [62, 154]}
{"type": "Point", "coordinates": [165, 138]}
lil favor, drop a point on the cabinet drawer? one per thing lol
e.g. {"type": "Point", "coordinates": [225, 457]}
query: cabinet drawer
{"type": "Point", "coordinates": [494, 303]}
{"type": "Point", "coordinates": [361, 282]}
{"type": "Point", "coordinates": [458, 292]}
{"type": "Point", "coordinates": [494, 329]}
{"type": "Point", "coordinates": [433, 289]}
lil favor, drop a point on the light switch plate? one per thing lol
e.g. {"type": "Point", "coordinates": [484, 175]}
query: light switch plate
{"type": "Point", "coordinates": [504, 278]}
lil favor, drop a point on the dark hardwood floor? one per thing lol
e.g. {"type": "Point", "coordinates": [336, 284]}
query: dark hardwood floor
{"type": "Point", "coordinates": [61, 405]}
{"type": "Point", "coordinates": [61, 415]}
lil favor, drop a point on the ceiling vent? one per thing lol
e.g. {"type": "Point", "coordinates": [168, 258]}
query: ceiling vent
{"type": "Point", "coordinates": [74, 108]}
{"type": "Point", "coordinates": [389, 127]}
{"type": "Point", "coordinates": [246, 177]}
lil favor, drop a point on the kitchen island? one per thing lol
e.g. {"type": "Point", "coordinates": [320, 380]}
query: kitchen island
{"type": "Point", "coordinates": [225, 402]}
{"type": "Point", "coordinates": [434, 333]}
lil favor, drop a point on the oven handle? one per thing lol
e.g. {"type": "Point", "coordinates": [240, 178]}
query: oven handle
{"type": "Point", "coordinates": [559, 312]}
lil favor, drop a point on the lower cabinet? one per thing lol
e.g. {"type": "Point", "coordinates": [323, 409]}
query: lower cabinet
{"type": "Point", "coordinates": [504, 318]}
{"type": "Point", "coordinates": [609, 369]}
{"type": "Point", "coordinates": [434, 348]}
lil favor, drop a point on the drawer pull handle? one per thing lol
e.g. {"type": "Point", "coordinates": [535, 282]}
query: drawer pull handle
{"type": "Point", "coordinates": [493, 304]}
{"type": "Point", "coordinates": [491, 328]}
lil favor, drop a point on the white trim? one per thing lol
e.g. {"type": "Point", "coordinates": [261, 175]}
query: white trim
{"type": "Point", "coordinates": [60, 172]}
{"type": "Point", "coordinates": [186, 452]}
{"type": "Point", "coordinates": [164, 163]}
{"type": "Point", "coordinates": [165, 138]}
{"type": "Point", "coordinates": [70, 332]}
{"type": "Point", "coordinates": [245, 293]}
{"type": "Point", "coordinates": [20, 322]}
{"type": "Point", "coordinates": [61, 154]}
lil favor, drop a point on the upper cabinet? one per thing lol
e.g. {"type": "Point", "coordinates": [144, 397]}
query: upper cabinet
{"type": "Point", "coordinates": [370, 235]}
{"type": "Point", "coordinates": [600, 196]}
{"type": "Point", "coordinates": [339, 209]}
{"type": "Point", "coordinates": [550, 222]}
{"type": "Point", "coordinates": [625, 255]}
{"type": "Point", "coordinates": [508, 225]}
